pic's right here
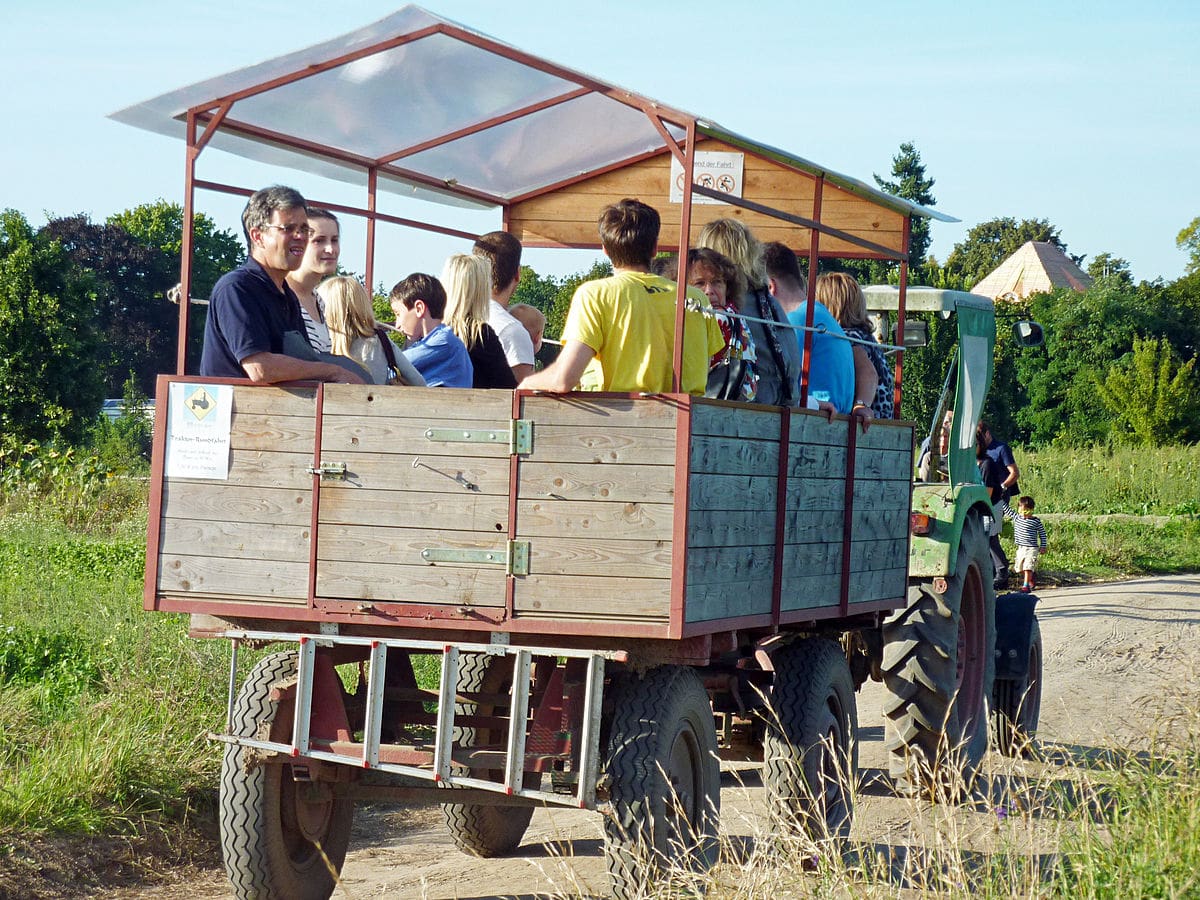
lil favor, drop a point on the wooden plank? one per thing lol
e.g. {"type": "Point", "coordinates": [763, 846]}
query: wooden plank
{"type": "Point", "coordinates": [274, 433]}
{"type": "Point", "coordinates": [826, 558]}
{"type": "Point", "coordinates": [825, 461]}
{"type": "Point", "coordinates": [393, 583]}
{"type": "Point", "coordinates": [868, 523]}
{"type": "Point", "coordinates": [708, 602]}
{"type": "Point", "coordinates": [733, 492]}
{"type": "Point", "coordinates": [452, 512]}
{"type": "Point", "coordinates": [204, 575]}
{"type": "Point", "coordinates": [344, 435]}
{"type": "Point", "coordinates": [570, 443]}
{"type": "Point", "coordinates": [600, 482]}
{"type": "Point", "coordinates": [585, 411]}
{"type": "Point", "coordinates": [221, 502]}
{"type": "Point", "coordinates": [368, 401]}
{"type": "Point", "coordinates": [734, 456]}
{"type": "Point", "coordinates": [568, 518]}
{"type": "Point", "coordinates": [817, 591]}
{"type": "Point", "coordinates": [741, 420]}
{"type": "Point", "coordinates": [430, 475]}
{"type": "Point", "coordinates": [814, 494]}
{"type": "Point", "coordinates": [729, 565]}
{"type": "Point", "coordinates": [235, 540]}
{"type": "Point", "coordinates": [729, 528]}
{"type": "Point", "coordinates": [601, 599]}
{"type": "Point", "coordinates": [600, 557]}
{"type": "Point", "coordinates": [398, 546]}
{"type": "Point", "coordinates": [812, 428]}
{"type": "Point", "coordinates": [269, 400]}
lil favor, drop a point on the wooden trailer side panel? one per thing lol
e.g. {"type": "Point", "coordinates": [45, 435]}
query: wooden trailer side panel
{"type": "Point", "coordinates": [596, 503]}
{"type": "Point", "coordinates": [246, 538]}
{"type": "Point", "coordinates": [422, 475]}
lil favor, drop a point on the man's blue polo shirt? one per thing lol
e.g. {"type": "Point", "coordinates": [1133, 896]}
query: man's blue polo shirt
{"type": "Point", "coordinates": [247, 314]}
{"type": "Point", "coordinates": [831, 374]}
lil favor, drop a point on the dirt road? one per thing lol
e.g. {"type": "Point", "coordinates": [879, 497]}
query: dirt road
{"type": "Point", "coordinates": [1120, 658]}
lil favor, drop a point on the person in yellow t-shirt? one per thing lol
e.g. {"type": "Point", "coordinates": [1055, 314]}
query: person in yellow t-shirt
{"type": "Point", "coordinates": [627, 321]}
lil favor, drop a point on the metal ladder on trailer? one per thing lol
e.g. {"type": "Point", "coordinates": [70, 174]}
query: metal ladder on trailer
{"type": "Point", "coordinates": [440, 772]}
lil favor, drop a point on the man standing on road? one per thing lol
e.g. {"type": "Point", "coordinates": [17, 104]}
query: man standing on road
{"type": "Point", "coordinates": [1001, 454]}
{"type": "Point", "coordinates": [252, 307]}
{"type": "Point", "coordinates": [503, 251]}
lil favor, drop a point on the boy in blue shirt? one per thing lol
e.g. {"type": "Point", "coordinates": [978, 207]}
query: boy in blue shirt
{"type": "Point", "coordinates": [419, 302]}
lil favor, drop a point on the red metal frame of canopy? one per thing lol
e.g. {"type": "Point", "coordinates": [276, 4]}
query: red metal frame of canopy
{"type": "Point", "coordinates": [419, 105]}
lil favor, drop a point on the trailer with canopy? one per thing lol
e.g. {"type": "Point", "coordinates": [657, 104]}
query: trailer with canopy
{"type": "Point", "coordinates": [616, 588]}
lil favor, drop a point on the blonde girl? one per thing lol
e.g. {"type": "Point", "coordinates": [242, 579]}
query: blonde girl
{"type": "Point", "coordinates": [468, 282]}
{"type": "Point", "coordinates": [353, 332]}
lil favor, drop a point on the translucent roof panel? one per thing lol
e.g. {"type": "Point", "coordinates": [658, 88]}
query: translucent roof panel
{"type": "Point", "coordinates": [400, 97]}
{"type": "Point", "coordinates": [548, 146]}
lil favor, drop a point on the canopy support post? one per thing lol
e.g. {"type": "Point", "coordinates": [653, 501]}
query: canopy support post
{"type": "Point", "coordinates": [900, 304]}
{"type": "Point", "coordinates": [372, 185]}
{"type": "Point", "coordinates": [685, 231]}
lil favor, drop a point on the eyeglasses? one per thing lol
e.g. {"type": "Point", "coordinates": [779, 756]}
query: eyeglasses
{"type": "Point", "coordinates": [292, 230]}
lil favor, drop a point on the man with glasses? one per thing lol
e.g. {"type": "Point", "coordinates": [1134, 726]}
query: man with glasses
{"type": "Point", "coordinates": [252, 310]}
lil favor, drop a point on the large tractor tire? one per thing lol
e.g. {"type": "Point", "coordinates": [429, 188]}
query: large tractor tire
{"type": "Point", "coordinates": [938, 669]}
{"type": "Point", "coordinates": [664, 781]}
{"type": "Point", "coordinates": [479, 829]}
{"type": "Point", "coordinates": [1017, 703]}
{"type": "Point", "coordinates": [810, 754]}
{"type": "Point", "coordinates": [280, 839]}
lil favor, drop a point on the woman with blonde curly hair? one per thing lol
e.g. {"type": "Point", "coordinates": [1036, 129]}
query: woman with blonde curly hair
{"type": "Point", "coordinates": [468, 282]}
{"type": "Point", "coordinates": [777, 353]}
{"type": "Point", "coordinates": [874, 383]}
{"type": "Point", "coordinates": [353, 333]}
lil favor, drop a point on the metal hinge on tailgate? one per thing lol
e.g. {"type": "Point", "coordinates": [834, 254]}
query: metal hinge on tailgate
{"type": "Point", "coordinates": [519, 436]}
{"type": "Point", "coordinates": [514, 557]}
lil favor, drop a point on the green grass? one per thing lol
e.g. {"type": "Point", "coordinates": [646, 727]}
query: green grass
{"type": "Point", "coordinates": [1161, 481]}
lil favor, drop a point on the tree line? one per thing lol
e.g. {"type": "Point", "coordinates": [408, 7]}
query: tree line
{"type": "Point", "coordinates": [83, 316]}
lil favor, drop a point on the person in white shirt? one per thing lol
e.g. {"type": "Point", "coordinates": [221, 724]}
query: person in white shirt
{"type": "Point", "coordinates": [503, 251]}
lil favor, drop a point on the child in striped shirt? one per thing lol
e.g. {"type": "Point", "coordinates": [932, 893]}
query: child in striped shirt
{"type": "Point", "coordinates": [1030, 536]}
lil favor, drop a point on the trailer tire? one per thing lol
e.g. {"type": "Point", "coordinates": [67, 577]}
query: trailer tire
{"type": "Point", "coordinates": [1017, 703]}
{"type": "Point", "coordinates": [938, 669]}
{"type": "Point", "coordinates": [276, 843]}
{"type": "Point", "coordinates": [664, 780]}
{"type": "Point", "coordinates": [810, 753]}
{"type": "Point", "coordinates": [478, 829]}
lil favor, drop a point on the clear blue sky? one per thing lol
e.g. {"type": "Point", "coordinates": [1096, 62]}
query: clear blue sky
{"type": "Point", "coordinates": [1083, 113]}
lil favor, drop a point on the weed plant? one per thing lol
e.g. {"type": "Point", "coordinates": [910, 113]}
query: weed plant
{"type": "Point", "coordinates": [1156, 481]}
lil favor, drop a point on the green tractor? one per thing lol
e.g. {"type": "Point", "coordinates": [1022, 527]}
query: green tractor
{"type": "Point", "coordinates": [956, 650]}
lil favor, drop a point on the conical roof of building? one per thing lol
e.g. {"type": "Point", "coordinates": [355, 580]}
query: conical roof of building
{"type": "Point", "coordinates": [1036, 267]}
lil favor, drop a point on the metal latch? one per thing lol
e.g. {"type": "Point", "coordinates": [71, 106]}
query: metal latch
{"type": "Point", "coordinates": [514, 557]}
{"type": "Point", "coordinates": [329, 470]}
{"type": "Point", "coordinates": [519, 436]}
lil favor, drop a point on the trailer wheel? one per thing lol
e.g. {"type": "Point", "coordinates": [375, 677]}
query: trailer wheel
{"type": "Point", "coordinates": [809, 751]}
{"type": "Point", "coordinates": [1017, 703]}
{"type": "Point", "coordinates": [663, 777]}
{"type": "Point", "coordinates": [938, 668]}
{"type": "Point", "coordinates": [482, 830]}
{"type": "Point", "coordinates": [280, 839]}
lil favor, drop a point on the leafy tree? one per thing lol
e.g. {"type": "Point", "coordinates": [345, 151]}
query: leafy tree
{"type": "Point", "coordinates": [215, 252]}
{"type": "Point", "coordinates": [910, 183]}
{"type": "Point", "coordinates": [1152, 395]}
{"type": "Point", "coordinates": [49, 384]}
{"type": "Point", "coordinates": [1188, 240]}
{"type": "Point", "coordinates": [990, 243]}
{"type": "Point", "coordinates": [536, 290]}
{"type": "Point", "coordinates": [160, 224]}
{"type": "Point", "coordinates": [128, 281]}
{"type": "Point", "coordinates": [1107, 266]}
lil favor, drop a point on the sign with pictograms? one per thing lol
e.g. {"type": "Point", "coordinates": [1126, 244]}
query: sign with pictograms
{"type": "Point", "coordinates": [198, 422]}
{"type": "Point", "coordinates": [717, 170]}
